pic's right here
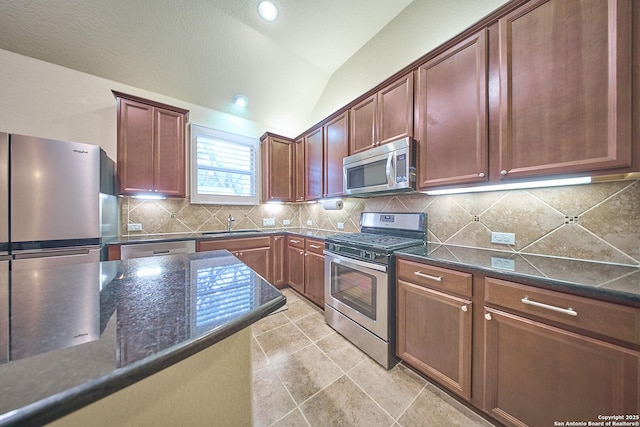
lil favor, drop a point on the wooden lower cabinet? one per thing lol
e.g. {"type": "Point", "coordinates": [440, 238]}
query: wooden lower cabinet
{"type": "Point", "coordinates": [538, 374]}
{"type": "Point", "coordinates": [434, 335]}
{"type": "Point", "coordinates": [295, 255]}
{"type": "Point", "coordinates": [314, 271]}
{"type": "Point", "coordinates": [254, 252]}
{"type": "Point", "coordinates": [279, 268]}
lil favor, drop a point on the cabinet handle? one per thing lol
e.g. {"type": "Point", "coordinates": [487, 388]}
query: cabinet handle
{"type": "Point", "coordinates": [487, 316]}
{"type": "Point", "coordinates": [427, 276]}
{"type": "Point", "coordinates": [481, 174]}
{"type": "Point", "coordinates": [503, 172]}
{"type": "Point", "coordinates": [464, 308]}
{"type": "Point", "coordinates": [315, 246]}
{"type": "Point", "coordinates": [569, 311]}
{"type": "Point", "coordinates": [301, 252]}
{"type": "Point", "coordinates": [295, 241]}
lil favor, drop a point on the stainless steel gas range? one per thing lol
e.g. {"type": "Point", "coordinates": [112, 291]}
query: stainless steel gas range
{"type": "Point", "coordinates": [360, 280]}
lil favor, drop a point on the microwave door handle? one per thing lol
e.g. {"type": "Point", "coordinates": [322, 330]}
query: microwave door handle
{"type": "Point", "coordinates": [390, 170]}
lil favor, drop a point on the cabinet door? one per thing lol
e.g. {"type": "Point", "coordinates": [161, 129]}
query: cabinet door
{"type": "Point", "coordinates": [336, 147]}
{"type": "Point", "coordinates": [538, 374]}
{"type": "Point", "coordinates": [362, 124]}
{"type": "Point", "coordinates": [434, 335]}
{"type": "Point", "coordinates": [314, 272]}
{"type": "Point", "coordinates": [169, 155]}
{"type": "Point", "coordinates": [278, 170]}
{"type": "Point", "coordinates": [452, 115]}
{"type": "Point", "coordinates": [296, 268]}
{"type": "Point", "coordinates": [314, 164]}
{"type": "Point", "coordinates": [299, 172]}
{"type": "Point", "coordinates": [279, 265]}
{"type": "Point", "coordinates": [257, 259]}
{"type": "Point", "coordinates": [135, 147]}
{"type": "Point", "coordinates": [565, 88]}
{"type": "Point", "coordinates": [395, 110]}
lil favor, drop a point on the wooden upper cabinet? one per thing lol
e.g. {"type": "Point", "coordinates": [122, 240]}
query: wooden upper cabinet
{"type": "Point", "coordinates": [362, 125]}
{"type": "Point", "coordinates": [313, 154]}
{"type": "Point", "coordinates": [336, 147]}
{"type": "Point", "coordinates": [395, 110]}
{"type": "Point", "coordinates": [299, 171]}
{"type": "Point", "coordinates": [170, 153]}
{"type": "Point", "coordinates": [385, 116]}
{"type": "Point", "coordinates": [565, 88]}
{"type": "Point", "coordinates": [277, 168]}
{"type": "Point", "coordinates": [151, 147]}
{"type": "Point", "coordinates": [451, 106]}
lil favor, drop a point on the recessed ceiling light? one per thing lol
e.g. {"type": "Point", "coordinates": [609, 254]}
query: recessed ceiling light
{"type": "Point", "coordinates": [240, 101]}
{"type": "Point", "coordinates": [267, 10]}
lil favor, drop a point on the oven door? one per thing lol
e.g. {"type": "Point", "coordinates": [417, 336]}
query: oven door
{"type": "Point", "coordinates": [358, 290]}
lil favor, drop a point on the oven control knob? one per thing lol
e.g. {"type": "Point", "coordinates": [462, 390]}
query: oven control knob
{"type": "Point", "coordinates": [330, 246]}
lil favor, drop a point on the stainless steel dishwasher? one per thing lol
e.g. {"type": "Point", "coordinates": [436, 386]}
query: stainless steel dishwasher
{"type": "Point", "coordinates": [140, 250]}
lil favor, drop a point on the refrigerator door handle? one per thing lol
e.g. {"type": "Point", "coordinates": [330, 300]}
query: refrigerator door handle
{"type": "Point", "coordinates": [67, 252]}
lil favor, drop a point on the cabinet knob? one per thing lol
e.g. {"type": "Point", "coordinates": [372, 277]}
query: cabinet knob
{"type": "Point", "coordinates": [464, 308]}
{"type": "Point", "coordinates": [487, 316]}
{"type": "Point", "coordinates": [481, 174]}
{"type": "Point", "coordinates": [301, 252]}
{"type": "Point", "coordinates": [503, 172]}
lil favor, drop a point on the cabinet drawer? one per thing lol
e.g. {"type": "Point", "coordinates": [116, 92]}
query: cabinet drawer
{"type": "Point", "coordinates": [314, 246]}
{"type": "Point", "coordinates": [296, 242]}
{"type": "Point", "coordinates": [604, 318]}
{"type": "Point", "coordinates": [233, 244]}
{"type": "Point", "coordinates": [435, 277]}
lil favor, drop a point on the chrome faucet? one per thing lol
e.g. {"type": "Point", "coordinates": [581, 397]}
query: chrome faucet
{"type": "Point", "coordinates": [229, 221]}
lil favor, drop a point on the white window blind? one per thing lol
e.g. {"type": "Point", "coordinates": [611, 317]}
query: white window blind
{"type": "Point", "coordinates": [224, 167]}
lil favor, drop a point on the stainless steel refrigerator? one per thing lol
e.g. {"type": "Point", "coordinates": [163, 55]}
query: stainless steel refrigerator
{"type": "Point", "coordinates": [50, 216]}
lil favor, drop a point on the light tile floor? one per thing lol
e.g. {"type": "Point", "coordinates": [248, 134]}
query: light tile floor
{"type": "Point", "coordinates": [306, 374]}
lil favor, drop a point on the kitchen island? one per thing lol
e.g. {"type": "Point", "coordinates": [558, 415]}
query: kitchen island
{"type": "Point", "coordinates": [144, 341]}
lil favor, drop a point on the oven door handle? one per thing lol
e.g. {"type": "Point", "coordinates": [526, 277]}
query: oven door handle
{"type": "Point", "coordinates": [338, 259]}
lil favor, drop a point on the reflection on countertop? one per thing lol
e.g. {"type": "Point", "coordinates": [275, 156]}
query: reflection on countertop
{"type": "Point", "coordinates": [129, 319]}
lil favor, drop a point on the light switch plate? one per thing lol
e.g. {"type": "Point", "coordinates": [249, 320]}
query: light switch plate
{"type": "Point", "coordinates": [134, 227]}
{"type": "Point", "coordinates": [309, 222]}
{"type": "Point", "coordinates": [286, 222]}
{"type": "Point", "coordinates": [341, 226]}
{"type": "Point", "coordinates": [268, 222]}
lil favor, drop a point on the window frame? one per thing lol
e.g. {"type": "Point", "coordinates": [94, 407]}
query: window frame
{"type": "Point", "coordinates": [218, 199]}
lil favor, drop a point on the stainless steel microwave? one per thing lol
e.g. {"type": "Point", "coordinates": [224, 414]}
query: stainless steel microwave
{"type": "Point", "coordinates": [383, 169]}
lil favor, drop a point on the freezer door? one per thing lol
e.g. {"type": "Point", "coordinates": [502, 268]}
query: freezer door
{"type": "Point", "coordinates": [55, 303]}
{"type": "Point", "coordinates": [4, 193]}
{"type": "Point", "coordinates": [54, 191]}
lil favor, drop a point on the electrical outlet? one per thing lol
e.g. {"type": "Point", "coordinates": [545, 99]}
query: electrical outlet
{"type": "Point", "coordinates": [134, 227]}
{"type": "Point", "coordinates": [268, 222]}
{"type": "Point", "coordinates": [286, 222]}
{"type": "Point", "coordinates": [503, 238]}
{"type": "Point", "coordinates": [309, 222]}
{"type": "Point", "coordinates": [341, 226]}
{"type": "Point", "coordinates": [503, 263]}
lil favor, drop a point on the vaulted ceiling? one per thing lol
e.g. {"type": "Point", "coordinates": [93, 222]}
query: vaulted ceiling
{"type": "Point", "coordinates": [203, 51]}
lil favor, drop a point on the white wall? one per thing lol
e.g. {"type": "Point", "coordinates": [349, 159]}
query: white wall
{"type": "Point", "coordinates": [421, 27]}
{"type": "Point", "coordinates": [41, 99]}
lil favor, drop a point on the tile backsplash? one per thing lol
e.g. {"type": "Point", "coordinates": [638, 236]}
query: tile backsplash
{"type": "Point", "coordinates": [599, 222]}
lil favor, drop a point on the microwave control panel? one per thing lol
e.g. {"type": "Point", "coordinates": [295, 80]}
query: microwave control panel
{"type": "Point", "coordinates": [401, 168]}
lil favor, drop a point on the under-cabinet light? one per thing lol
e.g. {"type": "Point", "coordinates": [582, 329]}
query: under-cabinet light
{"type": "Point", "coordinates": [512, 186]}
{"type": "Point", "coordinates": [148, 197]}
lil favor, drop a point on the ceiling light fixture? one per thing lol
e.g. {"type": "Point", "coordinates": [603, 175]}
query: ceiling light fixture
{"type": "Point", "coordinates": [240, 101]}
{"type": "Point", "coordinates": [268, 11]}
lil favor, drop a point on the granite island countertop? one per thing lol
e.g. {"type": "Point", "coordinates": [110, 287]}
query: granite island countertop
{"type": "Point", "coordinates": [608, 282]}
{"type": "Point", "coordinates": [125, 321]}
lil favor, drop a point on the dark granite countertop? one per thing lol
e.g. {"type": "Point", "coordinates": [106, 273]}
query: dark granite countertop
{"type": "Point", "coordinates": [154, 238]}
{"type": "Point", "coordinates": [100, 327]}
{"type": "Point", "coordinates": [608, 282]}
